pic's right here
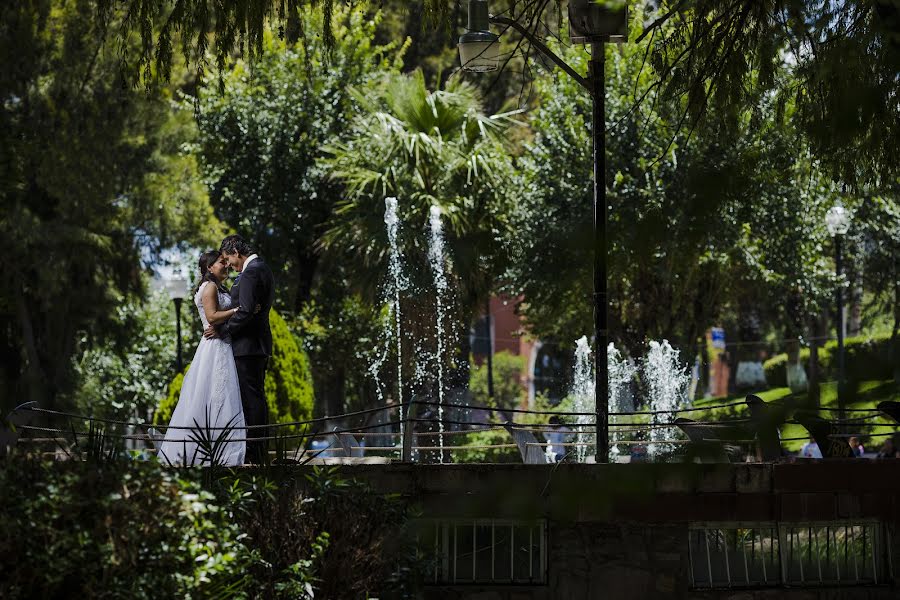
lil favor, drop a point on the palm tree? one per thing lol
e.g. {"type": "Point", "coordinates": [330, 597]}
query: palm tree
{"type": "Point", "coordinates": [427, 149]}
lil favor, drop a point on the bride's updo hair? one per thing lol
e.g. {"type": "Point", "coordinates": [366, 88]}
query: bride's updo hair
{"type": "Point", "coordinates": [207, 259]}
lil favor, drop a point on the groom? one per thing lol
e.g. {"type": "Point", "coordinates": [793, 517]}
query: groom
{"type": "Point", "coordinates": [251, 337]}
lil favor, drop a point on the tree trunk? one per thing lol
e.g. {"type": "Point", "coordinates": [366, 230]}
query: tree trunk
{"type": "Point", "coordinates": [854, 314]}
{"type": "Point", "coordinates": [814, 375]}
{"type": "Point", "coordinates": [745, 348]}
{"type": "Point", "coordinates": [307, 263]}
{"type": "Point", "coordinates": [895, 332]}
{"type": "Point", "coordinates": [35, 381]}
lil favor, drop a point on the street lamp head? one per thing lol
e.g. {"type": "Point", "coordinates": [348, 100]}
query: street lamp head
{"type": "Point", "coordinates": [837, 220]}
{"type": "Point", "coordinates": [479, 49]}
{"type": "Point", "coordinates": [591, 21]}
{"type": "Point", "coordinates": [177, 286]}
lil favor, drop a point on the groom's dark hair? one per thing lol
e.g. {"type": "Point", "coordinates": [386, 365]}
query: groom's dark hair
{"type": "Point", "coordinates": [235, 243]}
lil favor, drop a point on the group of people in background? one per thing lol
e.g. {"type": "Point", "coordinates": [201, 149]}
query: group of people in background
{"type": "Point", "coordinates": [888, 449]}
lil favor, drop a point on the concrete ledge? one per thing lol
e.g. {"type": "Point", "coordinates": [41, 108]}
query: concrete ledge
{"type": "Point", "coordinates": [656, 493]}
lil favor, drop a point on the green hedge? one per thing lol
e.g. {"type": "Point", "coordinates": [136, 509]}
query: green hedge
{"type": "Point", "coordinates": [866, 359]}
{"type": "Point", "coordinates": [289, 383]}
{"type": "Point", "coordinates": [508, 389]}
{"type": "Point", "coordinates": [480, 454]}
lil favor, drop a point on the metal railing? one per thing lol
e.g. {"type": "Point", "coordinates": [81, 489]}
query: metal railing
{"type": "Point", "coordinates": [376, 432]}
{"type": "Point", "coordinates": [484, 551]}
{"type": "Point", "coordinates": [734, 555]}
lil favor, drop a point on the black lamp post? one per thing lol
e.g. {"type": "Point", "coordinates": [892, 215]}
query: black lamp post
{"type": "Point", "coordinates": [837, 221]}
{"type": "Point", "coordinates": [590, 23]}
{"type": "Point", "coordinates": [177, 287]}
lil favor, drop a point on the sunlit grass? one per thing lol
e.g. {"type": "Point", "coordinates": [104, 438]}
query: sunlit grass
{"type": "Point", "coordinates": [866, 395]}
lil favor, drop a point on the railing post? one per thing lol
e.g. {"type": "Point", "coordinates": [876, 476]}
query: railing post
{"type": "Point", "coordinates": [406, 453]}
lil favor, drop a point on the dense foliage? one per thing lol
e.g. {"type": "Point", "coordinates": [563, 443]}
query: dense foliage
{"type": "Point", "coordinates": [289, 383]}
{"type": "Point", "coordinates": [507, 381]}
{"type": "Point", "coordinates": [93, 186]}
{"type": "Point", "coordinates": [125, 529]}
{"type": "Point", "coordinates": [844, 56]}
{"type": "Point", "coordinates": [127, 381]}
{"type": "Point", "coordinates": [866, 359]}
{"type": "Point", "coordinates": [262, 133]}
{"type": "Point", "coordinates": [129, 530]}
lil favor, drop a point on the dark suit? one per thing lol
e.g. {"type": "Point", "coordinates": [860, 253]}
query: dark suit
{"type": "Point", "coordinates": [251, 342]}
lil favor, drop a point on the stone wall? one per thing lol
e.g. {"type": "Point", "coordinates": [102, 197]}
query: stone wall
{"type": "Point", "coordinates": [621, 531]}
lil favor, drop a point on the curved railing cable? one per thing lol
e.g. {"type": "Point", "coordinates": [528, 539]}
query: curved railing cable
{"type": "Point", "coordinates": [315, 428]}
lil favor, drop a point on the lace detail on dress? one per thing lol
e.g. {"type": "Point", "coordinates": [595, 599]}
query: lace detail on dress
{"type": "Point", "coordinates": [224, 302]}
{"type": "Point", "coordinates": [220, 365]}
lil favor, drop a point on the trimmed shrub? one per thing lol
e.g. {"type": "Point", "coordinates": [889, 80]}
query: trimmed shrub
{"type": "Point", "coordinates": [489, 437]}
{"type": "Point", "coordinates": [289, 383]}
{"type": "Point", "coordinates": [866, 359]}
{"type": "Point", "coordinates": [166, 407]}
{"type": "Point", "coordinates": [508, 388]}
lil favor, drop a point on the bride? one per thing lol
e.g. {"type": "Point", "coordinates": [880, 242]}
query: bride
{"type": "Point", "coordinates": [209, 407]}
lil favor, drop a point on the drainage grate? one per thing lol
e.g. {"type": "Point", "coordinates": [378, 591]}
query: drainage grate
{"type": "Point", "coordinates": [485, 551]}
{"type": "Point", "coordinates": [795, 554]}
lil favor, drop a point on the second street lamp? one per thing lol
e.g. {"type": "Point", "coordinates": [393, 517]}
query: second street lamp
{"type": "Point", "coordinates": [177, 287]}
{"type": "Point", "coordinates": [596, 25]}
{"type": "Point", "coordinates": [837, 221]}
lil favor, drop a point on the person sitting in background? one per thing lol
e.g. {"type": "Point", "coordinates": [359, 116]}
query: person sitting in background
{"type": "Point", "coordinates": [888, 450]}
{"type": "Point", "coordinates": [856, 446]}
{"type": "Point", "coordinates": [810, 449]}
{"type": "Point", "coordinates": [556, 437]}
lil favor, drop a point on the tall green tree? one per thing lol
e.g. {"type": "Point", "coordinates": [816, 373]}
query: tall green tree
{"type": "Point", "coordinates": [844, 57]}
{"type": "Point", "coordinates": [263, 133]}
{"type": "Point", "coordinates": [709, 52]}
{"type": "Point", "coordinates": [428, 149]}
{"type": "Point", "coordinates": [728, 220]}
{"type": "Point", "coordinates": [78, 154]}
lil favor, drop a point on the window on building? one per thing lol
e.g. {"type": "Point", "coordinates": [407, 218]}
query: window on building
{"type": "Point", "coordinates": [485, 551]}
{"type": "Point", "coordinates": [803, 554]}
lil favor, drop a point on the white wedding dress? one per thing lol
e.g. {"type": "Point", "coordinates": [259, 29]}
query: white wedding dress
{"type": "Point", "coordinates": [210, 397]}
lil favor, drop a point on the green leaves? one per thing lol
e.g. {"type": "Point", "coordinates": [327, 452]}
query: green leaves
{"type": "Point", "coordinates": [427, 148]}
{"type": "Point", "coordinates": [94, 185]}
{"type": "Point", "coordinates": [262, 136]}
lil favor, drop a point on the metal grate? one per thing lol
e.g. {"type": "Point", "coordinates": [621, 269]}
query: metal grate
{"type": "Point", "coordinates": [485, 551]}
{"type": "Point", "coordinates": [808, 554]}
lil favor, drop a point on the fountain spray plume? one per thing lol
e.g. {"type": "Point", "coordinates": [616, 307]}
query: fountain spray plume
{"type": "Point", "coordinates": [583, 393]}
{"type": "Point", "coordinates": [620, 371]}
{"type": "Point", "coordinates": [395, 283]}
{"type": "Point", "coordinates": [436, 259]}
{"type": "Point", "coordinates": [666, 380]}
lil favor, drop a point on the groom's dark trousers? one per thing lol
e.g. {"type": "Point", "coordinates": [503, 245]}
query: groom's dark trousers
{"type": "Point", "coordinates": [251, 342]}
{"type": "Point", "coordinates": [251, 372]}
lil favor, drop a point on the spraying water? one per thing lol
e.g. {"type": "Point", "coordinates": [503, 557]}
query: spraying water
{"type": "Point", "coordinates": [583, 393]}
{"type": "Point", "coordinates": [436, 258]}
{"type": "Point", "coordinates": [395, 283]}
{"type": "Point", "coordinates": [667, 382]}
{"type": "Point", "coordinates": [621, 371]}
